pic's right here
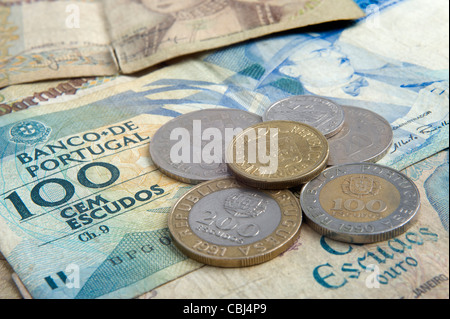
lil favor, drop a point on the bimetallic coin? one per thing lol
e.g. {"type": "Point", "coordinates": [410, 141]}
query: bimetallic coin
{"type": "Point", "coordinates": [323, 114]}
{"type": "Point", "coordinates": [365, 137]}
{"type": "Point", "coordinates": [191, 147]}
{"type": "Point", "coordinates": [223, 223]}
{"type": "Point", "coordinates": [360, 202]}
{"type": "Point", "coordinates": [277, 154]}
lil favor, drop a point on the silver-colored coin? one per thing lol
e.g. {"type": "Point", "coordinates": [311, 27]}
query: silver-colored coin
{"type": "Point", "coordinates": [360, 203]}
{"type": "Point", "coordinates": [188, 155]}
{"type": "Point", "coordinates": [365, 137]}
{"type": "Point", "coordinates": [241, 217]}
{"type": "Point", "coordinates": [320, 113]}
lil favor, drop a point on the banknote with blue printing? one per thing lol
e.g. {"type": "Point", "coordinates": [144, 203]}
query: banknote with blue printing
{"type": "Point", "coordinates": [83, 208]}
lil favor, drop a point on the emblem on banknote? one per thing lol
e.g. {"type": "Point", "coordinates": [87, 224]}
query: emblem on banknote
{"type": "Point", "coordinates": [29, 132]}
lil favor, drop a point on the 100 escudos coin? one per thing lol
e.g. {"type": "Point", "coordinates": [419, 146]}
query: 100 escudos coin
{"type": "Point", "coordinates": [360, 202]}
{"type": "Point", "coordinates": [224, 223]}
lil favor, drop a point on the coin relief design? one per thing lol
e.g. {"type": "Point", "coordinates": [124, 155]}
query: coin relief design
{"type": "Point", "coordinates": [365, 137]}
{"type": "Point", "coordinates": [242, 219]}
{"type": "Point", "coordinates": [203, 128]}
{"type": "Point", "coordinates": [320, 113]}
{"type": "Point", "coordinates": [302, 152]}
{"type": "Point", "coordinates": [360, 202]}
{"type": "Point", "coordinates": [359, 198]}
{"type": "Point", "coordinates": [224, 223]}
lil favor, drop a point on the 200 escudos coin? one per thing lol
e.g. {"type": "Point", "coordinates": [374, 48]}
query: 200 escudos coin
{"type": "Point", "coordinates": [224, 223]}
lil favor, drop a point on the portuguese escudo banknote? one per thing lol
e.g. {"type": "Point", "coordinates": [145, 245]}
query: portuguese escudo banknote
{"type": "Point", "coordinates": [410, 266]}
{"type": "Point", "coordinates": [63, 39]}
{"type": "Point", "coordinates": [20, 97]}
{"type": "Point", "coordinates": [84, 210]}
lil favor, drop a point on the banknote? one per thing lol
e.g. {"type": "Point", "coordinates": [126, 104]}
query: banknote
{"type": "Point", "coordinates": [8, 289]}
{"type": "Point", "coordinates": [96, 223]}
{"type": "Point", "coordinates": [412, 265]}
{"type": "Point", "coordinates": [23, 96]}
{"type": "Point", "coordinates": [84, 209]}
{"type": "Point", "coordinates": [64, 39]}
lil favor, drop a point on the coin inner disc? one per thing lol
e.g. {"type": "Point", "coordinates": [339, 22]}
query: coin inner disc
{"type": "Point", "coordinates": [359, 198]}
{"type": "Point", "coordinates": [234, 217]}
{"type": "Point", "coordinates": [299, 150]}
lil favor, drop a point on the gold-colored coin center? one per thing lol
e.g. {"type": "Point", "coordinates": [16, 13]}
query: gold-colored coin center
{"type": "Point", "coordinates": [300, 151]}
{"type": "Point", "coordinates": [359, 198]}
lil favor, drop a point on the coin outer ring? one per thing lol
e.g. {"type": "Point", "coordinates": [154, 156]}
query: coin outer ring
{"type": "Point", "coordinates": [330, 132]}
{"type": "Point", "coordinates": [276, 243]}
{"type": "Point", "coordinates": [388, 227]}
{"type": "Point", "coordinates": [281, 182]}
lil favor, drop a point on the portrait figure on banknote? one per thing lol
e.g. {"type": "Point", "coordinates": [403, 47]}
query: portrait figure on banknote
{"type": "Point", "coordinates": [326, 66]}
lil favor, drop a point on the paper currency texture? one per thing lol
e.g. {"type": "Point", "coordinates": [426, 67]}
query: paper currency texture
{"type": "Point", "coordinates": [56, 39]}
{"type": "Point", "coordinates": [84, 210]}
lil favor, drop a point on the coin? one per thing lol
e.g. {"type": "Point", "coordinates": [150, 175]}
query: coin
{"type": "Point", "coordinates": [365, 137]}
{"type": "Point", "coordinates": [360, 202]}
{"type": "Point", "coordinates": [224, 223]}
{"type": "Point", "coordinates": [191, 147]}
{"type": "Point", "coordinates": [323, 114]}
{"type": "Point", "coordinates": [277, 154]}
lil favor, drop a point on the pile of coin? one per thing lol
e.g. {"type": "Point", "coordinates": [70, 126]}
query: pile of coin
{"type": "Point", "coordinates": [243, 211]}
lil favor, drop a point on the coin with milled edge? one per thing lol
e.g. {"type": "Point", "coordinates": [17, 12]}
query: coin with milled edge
{"type": "Point", "coordinates": [193, 160]}
{"type": "Point", "coordinates": [224, 223]}
{"type": "Point", "coordinates": [300, 153]}
{"type": "Point", "coordinates": [365, 137]}
{"type": "Point", "coordinates": [360, 203]}
{"type": "Point", "coordinates": [323, 114]}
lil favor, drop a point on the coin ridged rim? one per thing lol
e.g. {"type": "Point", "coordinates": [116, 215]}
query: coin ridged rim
{"type": "Point", "coordinates": [328, 134]}
{"type": "Point", "coordinates": [286, 232]}
{"type": "Point", "coordinates": [165, 169]}
{"type": "Point", "coordinates": [313, 210]}
{"type": "Point", "coordinates": [376, 157]}
{"type": "Point", "coordinates": [263, 182]}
